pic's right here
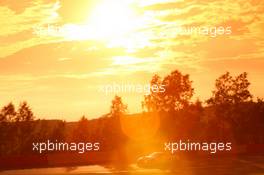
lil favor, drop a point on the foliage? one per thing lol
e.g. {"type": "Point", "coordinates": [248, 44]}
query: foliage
{"type": "Point", "coordinates": [8, 113]}
{"type": "Point", "coordinates": [231, 115]}
{"type": "Point", "coordinates": [24, 113]}
{"type": "Point", "coordinates": [231, 90]}
{"type": "Point", "coordinates": [118, 107]}
{"type": "Point", "coordinates": [177, 94]}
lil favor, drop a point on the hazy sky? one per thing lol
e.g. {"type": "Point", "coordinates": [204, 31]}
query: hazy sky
{"type": "Point", "coordinates": [85, 44]}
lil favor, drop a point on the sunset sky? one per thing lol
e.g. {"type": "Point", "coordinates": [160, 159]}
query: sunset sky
{"type": "Point", "coordinates": [99, 42]}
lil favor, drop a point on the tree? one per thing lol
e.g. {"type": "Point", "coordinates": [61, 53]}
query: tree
{"type": "Point", "coordinates": [59, 131]}
{"type": "Point", "coordinates": [177, 94]}
{"type": "Point", "coordinates": [231, 90]}
{"type": "Point", "coordinates": [24, 128]}
{"type": "Point", "coordinates": [118, 107]}
{"type": "Point", "coordinates": [8, 113]}
{"type": "Point", "coordinates": [24, 113]}
{"type": "Point", "coordinates": [115, 132]}
{"type": "Point", "coordinates": [81, 132]}
{"type": "Point", "coordinates": [152, 100]}
{"type": "Point", "coordinates": [230, 101]}
{"type": "Point", "coordinates": [113, 126]}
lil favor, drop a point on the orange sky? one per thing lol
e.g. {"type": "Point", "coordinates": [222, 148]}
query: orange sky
{"type": "Point", "coordinates": [121, 41]}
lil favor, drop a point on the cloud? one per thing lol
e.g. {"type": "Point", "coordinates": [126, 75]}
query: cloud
{"type": "Point", "coordinates": [40, 13]}
{"type": "Point", "coordinates": [33, 61]}
{"type": "Point", "coordinates": [17, 21]}
{"type": "Point", "coordinates": [15, 6]}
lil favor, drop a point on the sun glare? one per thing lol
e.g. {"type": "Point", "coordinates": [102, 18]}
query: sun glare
{"type": "Point", "coordinates": [112, 19]}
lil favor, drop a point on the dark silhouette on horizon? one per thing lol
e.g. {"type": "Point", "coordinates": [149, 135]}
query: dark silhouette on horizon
{"type": "Point", "coordinates": [230, 114]}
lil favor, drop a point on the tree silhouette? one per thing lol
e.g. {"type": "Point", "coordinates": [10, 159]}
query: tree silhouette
{"type": "Point", "coordinates": [231, 90]}
{"type": "Point", "coordinates": [231, 101]}
{"type": "Point", "coordinates": [178, 92]}
{"type": "Point", "coordinates": [151, 101]}
{"type": "Point", "coordinates": [81, 132]}
{"type": "Point", "coordinates": [59, 131]}
{"type": "Point", "coordinates": [114, 128]}
{"type": "Point", "coordinates": [8, 113]}
{"type": "Point", "coordinates": [118, 107]}
{"type": "Point", "coordinates": [24, 113]}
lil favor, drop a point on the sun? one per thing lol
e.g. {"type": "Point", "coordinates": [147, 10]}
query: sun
{"type": "Point", "coordinates": [115, 22]}
{"type": "Point", "coordinates": [113, 19]}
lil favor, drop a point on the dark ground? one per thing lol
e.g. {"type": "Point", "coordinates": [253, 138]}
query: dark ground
{"type": "Point", "coordinates": [222, 165]}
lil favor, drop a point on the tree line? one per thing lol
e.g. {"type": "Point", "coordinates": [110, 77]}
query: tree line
{"type": "Point", "coordinates": [230, 114]}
